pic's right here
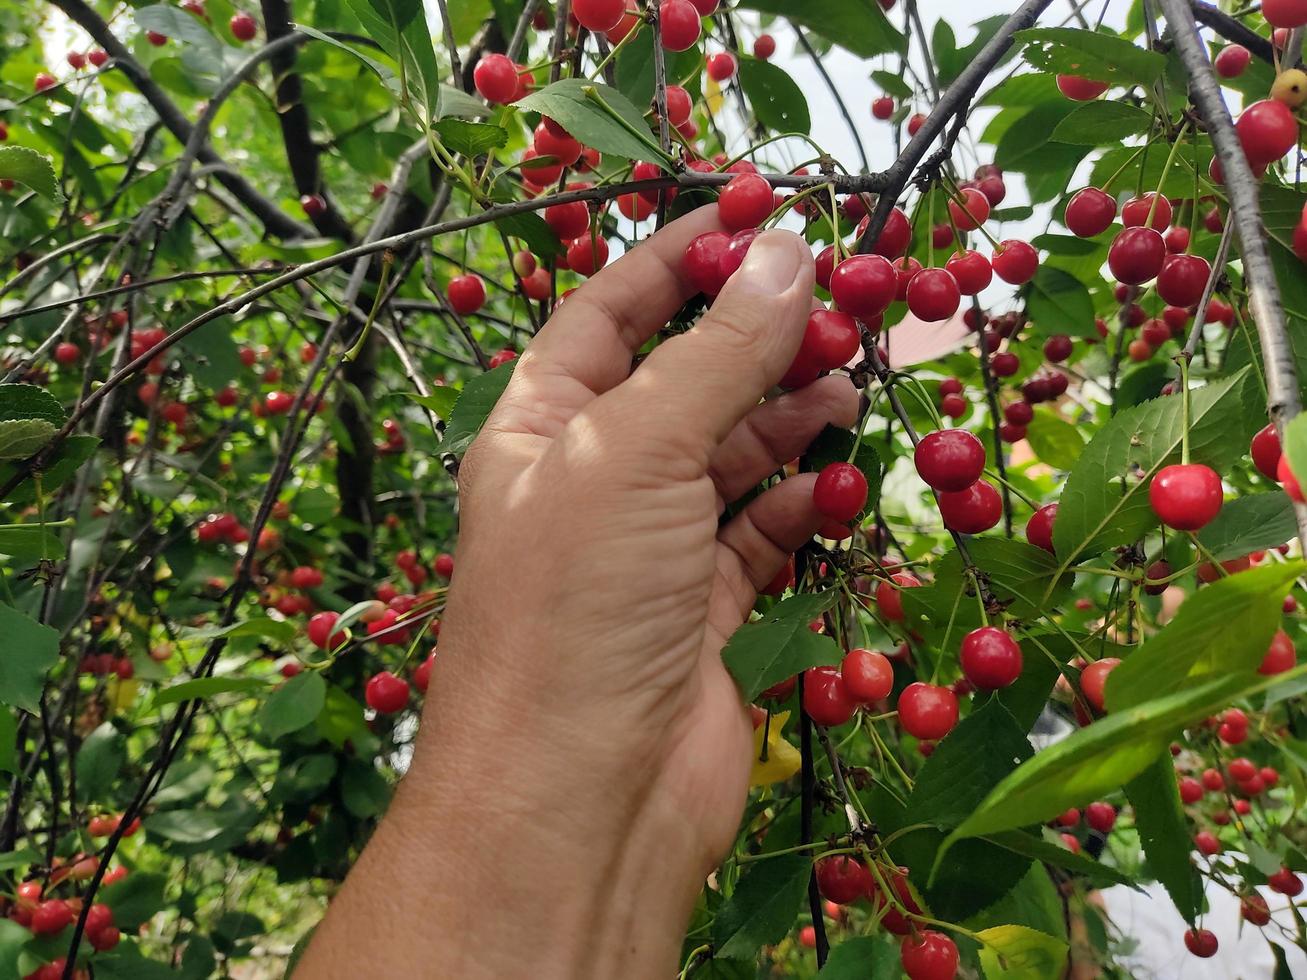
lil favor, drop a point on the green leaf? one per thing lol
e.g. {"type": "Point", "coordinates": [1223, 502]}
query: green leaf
{"type": "Point", "coordinates": [455, 102]}
{"type": "Point", "coordinates": [13, 938]}
{"type": "Point", "coordinates": [99, 758]}
{"type": "Point", "coordinates": [363, 789]}
{"type": "Point", "coordinates": [400, 27]}
{"type": "Point", "coordinates": [1164, 833]}
{"type": "Point", "coordinates": [134, 899]}
{"type": "Point", "coordinates": [177, 24]}
{"type": "Point", "coordinates": [1100, 758]}
{"type": "Point", "coordinates": [28, 543]}
{"type": "Point", "coordinates": [1090, 54]}
{"type": "Point", "coordinates": [315, 505]}
{"type": "Point", "coordinates": [211, 354]}
{"type": "Point", "coordinates": [860, 957]}
{"type": "Point", "coordinates": [1019, 575]}
{"type": "Point", "coordinates": [538, 237]}
{"type": "Point", "coordinates": [26, 166]}
{"type": "Point", "coordinates": [279, 630]}
{"type": "Point", "coordinates": [470, 138]}
{"type": "Point", "coordinates": [304, 779]}
{"type": "Point", "coordinates": [20, 438]}
{"type": "Point", "coordinates": [635, 67]}
{"type": "Point", "coordinates": [1222, 629]}
{"type": "Point", "coordinates": [1100, 508]}
{"type": "Point", "coordinates": [956, 778]}
{"type": "Point", "coordinates": [1020, 953]}
{"type": "Point", "coordinates": [440, 401]}
{"type": "Point", "coordinates": [186, 779]}
{"type": "Point", "coordinates": [293, 705]}
{"type": "Point", "coordinates": [1054, 440]}
{"type": "Point", "coordinates": [1058, 302]}
{"type": "Point", "coordinates": [776, 99]}
{"type": "Point", "coordinates": [205, 687]}
{"type": "Point", "coordinates": [126, 962]}
{"type": "Point", "coordinates": [859, 26]}
{"type": "Point", "coordinates": [8, 742]}
{"type": "Point", "coordinates": [780, 645]}
{"type": "Point", "coordinates": [1097, 874]}
{"type": "Point", "coordinates": [186, 826]}
{"type": "Point", "coordinates": [1253, 523]}
{"type": "Point", "coordinates": [763, 908]}
{"type": "Point", "coordinates": [892, 84]}
{"type": "Point", "coordinates": [1102, 124]}
{"type": "Point", "coordinates": [474, 404]}
{"type": "Point", "coordinates": [567, 103]}
{"type": "Point", "coordinates": [31, 649]}
{"type": "Point", "coordinates": [64, 461]}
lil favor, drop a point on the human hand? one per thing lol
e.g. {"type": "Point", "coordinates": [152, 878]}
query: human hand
{"type": "Point", "coordinates": [580, 713]}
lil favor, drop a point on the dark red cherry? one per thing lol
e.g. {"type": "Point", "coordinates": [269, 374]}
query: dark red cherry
{"type": "Point", "coordinates": [949, 459]}
{"type": "Point", "coordinates": [1090, 212]}
{"type": "Point", "coordinates": [1182, 279]}
{"type": "Point", "coordinates": [840, 491]}
{"type": "Point", "coordinates": [990, 658]}
{"type": "Point", "coordinates": [1135, 255]}
{"type": "Point", "coordinates": [1039, 529]}
{"type": "Point", "coordinates": [973, 510]}
{"type": "Point", "coordinates": [927, 711]}
{"type": "Point", "coordinates": [1186, 496]}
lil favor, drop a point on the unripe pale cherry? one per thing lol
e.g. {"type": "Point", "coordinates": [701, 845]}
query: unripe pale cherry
{"type": "Point", "coordinates": [1186, 497]}
{"type": "Point", "coordinates": [990, 658]}
{"type": "Point", "coordinates": [949, 459]}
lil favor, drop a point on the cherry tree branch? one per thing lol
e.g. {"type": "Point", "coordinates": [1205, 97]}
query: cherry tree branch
{"type": "Point", "coordinates": [1218, 270]}
{"type": "Point", "coordinates": [1245, 216]}
{"type": "Point", "coordinates": [1232, 30]}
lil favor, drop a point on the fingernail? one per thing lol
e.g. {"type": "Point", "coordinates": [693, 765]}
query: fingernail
{"type": "Point", "coordinates": [773, 264]}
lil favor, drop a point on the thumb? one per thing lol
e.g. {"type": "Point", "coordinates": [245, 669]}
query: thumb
{"type": "Point", "coordinates": [693, 390]}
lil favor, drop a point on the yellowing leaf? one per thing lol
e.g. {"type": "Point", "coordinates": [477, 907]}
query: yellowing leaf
{"type": "Point", "coordinates": [712, 95]}
{"type": "Point", "coordinates": [782, 758]}
{"type": "Point", "coordinates": [1020, 953]}
{"type": "Point", "coordinates": [122, 693]}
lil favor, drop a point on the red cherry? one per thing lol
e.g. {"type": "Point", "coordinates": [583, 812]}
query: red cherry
{"type": "Point", "coordinates": [915, 122]}
{"type": "Point", "coordinates": [888, 599]}
{"type": "Point", "coordinates": [1057, 348]}
{"type": "Point", "coordinates": [990, 658]}
{"type": "Point", "coordinates": [745, 202]}
{"type": "Point", "coordinates": [933, 294]}
{"type": "Point", "coordinates": [720, 66]}
{"type": "Point", "coordinates": [75, 59]}
{"type": "Point", "coordinates": [156, 39]}
{"type": "Point", "coordinates": [51, 916]}
{"type": "Point", "coordinates": [466, 294]}
{"type": "Point", "coordinates": [1231, 60]}
{"type": "Point", "coordinates": [973, 510]}
{"type": "Point", "coordinates": [1015, 261]}
{"type": "Point", "coordinates": [1136, 255]}
{"type": "Point", "coordinates": [598, 15]}
{"type": "Point", "coordinates": [1039, 529]}
{"type": "Point", "coordinates": [320, 631]}
{"type": "Point", "coordinates": [1135, 212]}
{"type": "Point", "coordinates": [830, 340]}
{"type": "Point", "coordinates": [702, 259]}
{"type": "Point", "coordinates": [67, 353]}
{"type": "Point", "coordinates": [1101, 817]}
{"type": "Point", "coordinates": [1201, 942]}
{"type": "Point", "coordinates": [1080, 89]}
{"type": "Point", "coordinates": [278, 402]}
{"type": "Point", "coordinates": [1254, 910]}
{"type": "Point", "coordinates": [1265, 450]}
{"type": "Point", "coordinates": [970, 270]}
{"type": "Point", "coordinates": [764, 46]}
{"type": "Point", "coordinates": [1093, 679]}
{"type": "Point", "coordinates": [1182, 279]}
{"type": "Point", "coordinates": [825, 698]}
{"type": "Point", "coordinates": [864, 285]}
{"type": "Point", "coordinates": [868, 675]}
{"type": "Point", "coordinates": [495, 78]}
{"type": "Point", "coordinates": [97, 57]}
{"type": "Point", "coordinates": [953, 406]}
{"type": "Point", "coordinates": [927, 712]}
{"type": "Point", "coordinates": [929, 956]}
{"type": "Point", "coordinates": [1285, 882]}
{"type": "Point", "coordinates": [679, 105]}
{"type": "Point", "coordinates": [1267, 131]}
{"type": "Point", "coordinates": [1090, 212]}
{"type": "Point", "coordinates": [970, 213]}
{"type": "Point", "coordinates": [1285, 475]}
{"type": "Point", "coordinates": [386, 693]}
{"type": "Point", "coordinates": [1280, 655]}
{"type": "Point", "coordinates": [1207, 843]}
{"type": "Point", "coordinates": [1003, 364]}
{"type": "Point", "coordinates": [313, 205]}
{"type": "Point", "coordinates": [1018, 413]}
{"type": "Point", "coordinates": [906, 269]}
{"type": "Point", "coordinates": [680, 24]}
{"type": "Point", "coordinates": [586, 256]}
{"type": "Point", "coordinates": [883, 107]}
{"type": "Point", "coordinates": [894, 238]}
{"type": "Point", "coordinates": [1285, 13]}
{"type": "Point", "coordinates": [102, 940]}
{"type": "Point", "coordinates": [551, 140]}
{"type": "Point", "coordinates": [1186, 496]}
{"type": "Point", "coordinates": [949, 459]}
{"type": "Point", "coordinates": [243, 27]}
{"type": "Point", "coordinates": [1191, 790]}
{"type": "Point", "coordinates": [840, 491]}
{"type": "Point", "coordinates": [842, 879]}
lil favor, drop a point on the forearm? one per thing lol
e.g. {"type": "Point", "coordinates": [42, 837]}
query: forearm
{"type": "Point", "coordinates": [486, 866]}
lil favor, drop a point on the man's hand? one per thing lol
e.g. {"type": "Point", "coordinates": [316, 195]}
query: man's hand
{"type": "Point", "coordinates": [584, 755]}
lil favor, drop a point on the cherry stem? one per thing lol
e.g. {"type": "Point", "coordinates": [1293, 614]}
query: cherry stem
{"type": "Point", "coordinates": [1166, 169]}
{"type": "Point", "coordinates": [1184, 409]}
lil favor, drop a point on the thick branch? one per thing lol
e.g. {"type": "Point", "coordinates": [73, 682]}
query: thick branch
{"type": "Point", "coordinates": [1241, 187]}
{"type": "Point", "coordinates": [1232, 29]}
{"type": "Point", "coordinates": [274, 221]}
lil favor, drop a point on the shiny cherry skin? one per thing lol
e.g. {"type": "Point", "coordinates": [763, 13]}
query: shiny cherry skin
{"type": "Point", "coordinates": [868, 675]}
{"type": "Point", "coordinates": [243, 27]}
{"type": "Point", "coordinates": [745, 202]}
{"type": "Point", "coordinates": [927, 712]}
{"type": "Point", "coordinates": [385, 693]}
{"type": "Point", "coordinates": [1186, 497]}
{"type": "Point", "coordinates": [1201, 942]}
{"type": "Point", "coordinates": [1232, 60]}
{"type": "Point", "coordinates": [1101, 816]}
{"type": "Point", "coordinates": [930, 955]}
{"type": "Point", "coordinates": [1280, 655]}
{"type": "Point", "coordinates": [825, 698]}
{"type": "Point", "coordinates": [1285, 882]}
{"type": "Point", "coordinates": [1093, 680]}
{"type": "Point", "coordinates": [1267, 131]}
{"type": "Point", "coordinates": [1039, 529]}
{"type": "Point", "coordinates": [1015, 262]}
{"type": "Point", "coordinates": [1285, 13]}
{"type": "Point", "coordinates": [973, 510]}
{"type": "Point", "coordinates": [598, 15]}
{"type": "Point", "coordinates": [990, 658]}
{"type": "Point", "coordinates": [970, 270]}
{"type": "Point", "coordinates": [864, 285]}
{"type": "Point", "coordinates": [840, 491]}
{"type": "Point", "coordinates": [842, 879]}
{"type": "Point", "coordinates": [949, 459]}
{"type": "Point", "coordinates": [883, 107]}
{"type": "Point", "coordinates": [972, 211]}
{"type": "Point", "coordinates": [1286, 476]}
{"type": "Point", "coordinates": [680, 24]}
{"type": "Point", "coordinates": [1135, 255]}
{"type": "Point", "coordinates": [1080, 89]}
{"type": "Point", "coordinates": [933, 295]}
{"type": "Point", "coordinates": [467, 294]}
{"type": "Point", "coordinates": [888, 599]}
{"type": "Point", "coordinates": [1181, 281]}
{"type": "Point", "coordinates": [1090, 212]}
{"type": "Point", "coordinates": [830, 340]}
{"type": "Point", "coordinates": [1136, 212]}
{"type": "Point", "coordinates": [1265, 451]}
{"type": "Point", "coordinates": [701, 262]}
{"type": "Point", "coordinates": [495, 78]}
